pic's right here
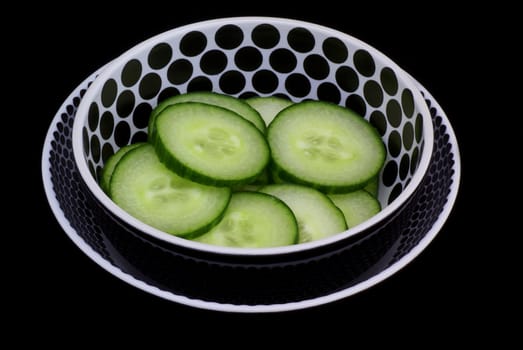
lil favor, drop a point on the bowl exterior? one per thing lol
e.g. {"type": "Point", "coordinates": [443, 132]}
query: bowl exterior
{"type": "Point", "coordinates": [236, 280]}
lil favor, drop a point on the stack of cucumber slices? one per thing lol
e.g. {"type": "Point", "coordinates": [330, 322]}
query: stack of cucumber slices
{"type": "Point", "coordinates": [253, 173]}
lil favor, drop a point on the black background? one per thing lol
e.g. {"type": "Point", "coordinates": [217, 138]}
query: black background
{"type": "Point", "coordinates": [443, 48]}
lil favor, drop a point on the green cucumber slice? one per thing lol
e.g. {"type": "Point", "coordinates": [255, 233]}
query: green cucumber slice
{"type": "Point", "coordinates": [107, 171]}
{"type": "Point", "coordinates": [209, 144]}
{"type": "Point", "coordinates": [269, 106]}
{"type": "Point", "coordinates": [142, 186]}
{"type": "Point", "coordinates": [325, 146]}
{"type": "Point", "coordinates": [316, 214]}
{"type": "Point", "coordinates": [373, 186]}
{"type": "Point", "coordinates": [254, 220]}
{"type": "Point", "coordinates": [357, 206]}
{"type": "Point", "coordinates": [234, 104]}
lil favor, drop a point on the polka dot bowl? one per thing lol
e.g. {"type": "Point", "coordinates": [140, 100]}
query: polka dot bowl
{"type": "Point", "coordinates": [245, 57]}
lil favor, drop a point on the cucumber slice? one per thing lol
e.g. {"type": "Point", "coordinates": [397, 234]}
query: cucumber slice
{"type": "Point", "coordinates": [234, 104]}
{"type": "Point", "coordinates": [269, 106]}
{"type": "Point", "coordinates": [373, 186]}
{"type": "Point", "coordinates": [254, 220]}
{"type": "Point", "coordinates": [109, 166]}
{"type": "Point", "coordinates": [209, 144]}
{"type": "Point", "coordinates": [316, 214]}
{"type": "Point", "coordinates": [357, 206]}
{"type": "Point", "coordinates": [147, 190]}
{"type": "Point", "coordinates": [324, 146]}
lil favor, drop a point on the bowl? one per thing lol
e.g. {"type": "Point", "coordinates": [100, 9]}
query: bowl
{"type": "Point", "coordinates": [241, 285]}
{"type": "Point", "coordinates": [249, 56]}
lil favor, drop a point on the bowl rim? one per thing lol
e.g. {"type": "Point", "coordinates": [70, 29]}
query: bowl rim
{"type": "Point", "coordinates": [103, 198]}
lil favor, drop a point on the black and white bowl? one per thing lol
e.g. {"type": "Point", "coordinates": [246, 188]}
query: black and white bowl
{"type": "Point", "coordinates": [255, 56]}
{"type": "Point", "coordinates": [418, 192]}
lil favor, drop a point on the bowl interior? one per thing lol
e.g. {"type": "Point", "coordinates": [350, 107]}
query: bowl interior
{"type": "Point", "coordinates": [251, 56]}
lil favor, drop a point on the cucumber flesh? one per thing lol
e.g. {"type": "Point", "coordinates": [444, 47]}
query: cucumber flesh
{"type": "Point", "coordinates": [373, 186]}
{"type": "Point", "coordinates": [213, 172]}
{"type": "Point", "coordinates": [357, 206]}
{"type": "Point", "coordinates": [316, 214]}
{"type": "Point", "coordinates": [107, 171]}
{"type": "Point", "coordinates": [209, 144]}
{"type": "Point", "coordinates": [147, 190]}
{"type": "Point", "coordinates": [234, 104]}
{"type": "Point", "coordinates": [269, 106]}
{"type": "Point", "coordinates": [254, 220]}
{"type": "Point", "coordinates": [324, 146]}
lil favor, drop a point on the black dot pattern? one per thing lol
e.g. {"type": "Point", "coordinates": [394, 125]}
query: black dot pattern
{"type": "Point", "coordinates": [122, 133]}
{"type": "Point", "coordinates": [76, 205]}
{"type": "Point", "coordinates": [408, 136]}
{"type": "Point", "coordinates": [265, 81]}
{"type": "Point", "coordinates": [283, 60]}
{"type": "Point", "coordinates": [377, 119]}
{"type": "Point", "coordinates": [329, 92]}
{"type": "Point", "coordinates": [248, 58]}
{"type": "Point", "coordinates": [125, 103]}
{"type": "Point", "coordinates": [390, 172]}
{"type": "Point", "coordinates": [316, 67]}
{"type": "Point", "coordinates": [356, 103]}
{"type": "Point", "coordinates": [428, 203]}
{"type": "Point", "coordinates": [193, 43]}
{"type": "Point", "coordinates": [150, 86]}
{"type": "Point", "coordinates": [131, 72]}
{"type": "Point", "coordinates": [166, 93]}
{"type": "Point", "coordinates": [232, 82]}
{"type": "Point", "coordinates": [335, 50]}
{"type": "Point", "coordinates": [106, 125]}
{"type": "Point", "coordinates": [347, 78]}
{"type": "Point", "coordinates": [160, 55]}
{"type": "Point", "coordinates": [95, 148]}
{"type": "Point", "coordinates": [141, 115]}
{"type": "Point", "coordinates": [394, 113]}
{"type": "Point", "coordinates": [140, 136]}
{"type": "Point", "coordinates": [107, 151]}
{"type": "Point", "coordinates": [373, 93]}
{"type": "Point", "coordinates": [93, 117]}
{"type": "Point", "coordinates": [394, 144]}
{"type": "Point", "coordinates": [232, 282]}
{"type": "Point", "coordinates": [404, 166]}
{"type": "Point", "coordinates": [389, 81]}
{"type": "Point", "coordinates": [297, 85]}
{"type": "Point", "coordinates": [301, 39]}
{"type": "Point", "coordinates": [265, 36]}
{"type": "Point", "coordinates": [259, 59]}
{"type": "Point", "coordinates": [229, 37]}
{"type": "Point", "coordinates": [200, 83]}
{"type": "Point", "coordinates": [213, 62]}
{"type": "Point", "coordinates": [109, 92]}
{"type": "Point", "coordinates": [180, 71]}
{"type": "Point", "coordinates": [407, 102]}
{"type": "Point", "coordinates": [364, 63]}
